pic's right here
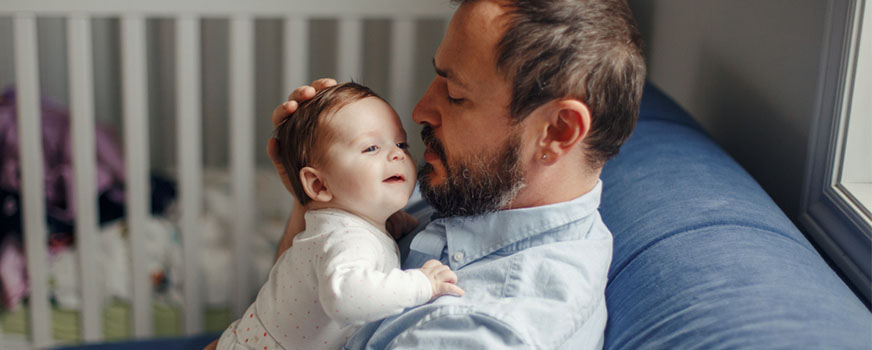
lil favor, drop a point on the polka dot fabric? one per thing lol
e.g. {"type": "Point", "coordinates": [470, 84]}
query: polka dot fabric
{"type": "Point", "coordinates": [243, 335]}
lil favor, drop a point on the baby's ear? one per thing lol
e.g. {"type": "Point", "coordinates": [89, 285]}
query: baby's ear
{"type": "Point", "coordinates": [314, 185]}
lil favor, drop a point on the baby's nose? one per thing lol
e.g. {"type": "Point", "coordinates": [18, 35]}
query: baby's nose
{"type": "Point", "coordinates": [398, 154]}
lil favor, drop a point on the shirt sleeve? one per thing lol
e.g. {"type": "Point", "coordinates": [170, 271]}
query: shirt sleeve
{"type": "Point", "coordinates": [354, 285]}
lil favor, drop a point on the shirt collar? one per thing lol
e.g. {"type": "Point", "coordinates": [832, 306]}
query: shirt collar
{"type": "Point", "coordinates": [470, 238]}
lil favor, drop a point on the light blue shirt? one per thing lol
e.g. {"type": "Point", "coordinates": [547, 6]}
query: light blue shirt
{"type": "Point", "coordinates": [533, 277]}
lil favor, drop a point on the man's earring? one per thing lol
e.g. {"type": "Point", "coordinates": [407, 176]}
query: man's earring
{"type": "Point", "coordinates": [544, 156]}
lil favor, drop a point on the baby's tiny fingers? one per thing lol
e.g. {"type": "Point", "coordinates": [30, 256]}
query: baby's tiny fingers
{"type": "Point", "coordinates": [447, 276]}
{"type": "Point", "coordinates": [431, 264]}
{"type": "Point", "coordinates": [452, 289]}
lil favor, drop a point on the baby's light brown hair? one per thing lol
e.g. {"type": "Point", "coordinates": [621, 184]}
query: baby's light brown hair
{"type": "Point", "coordinates": [303, 137]}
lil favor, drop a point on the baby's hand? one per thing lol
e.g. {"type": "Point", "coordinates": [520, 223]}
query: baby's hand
{"type": "Point", "coordinates": [442, 279]}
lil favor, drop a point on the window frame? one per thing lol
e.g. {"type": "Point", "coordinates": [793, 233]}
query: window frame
{"type": "Point", "coordinates": [828, 212]}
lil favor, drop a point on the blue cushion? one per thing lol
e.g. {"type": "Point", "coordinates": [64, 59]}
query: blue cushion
{"type": "Point", "coordinates": [704, 259]}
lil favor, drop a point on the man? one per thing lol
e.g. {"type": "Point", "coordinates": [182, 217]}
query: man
{"type": "Point", "coordinates": [530, 99]}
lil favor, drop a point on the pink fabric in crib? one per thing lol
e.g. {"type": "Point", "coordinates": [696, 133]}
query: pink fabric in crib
{"type": "Point", "coordinates": [57, 160]}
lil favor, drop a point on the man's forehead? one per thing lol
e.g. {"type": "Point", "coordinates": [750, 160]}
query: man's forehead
{"type": "Point", "coordinates": [473, 35]}
{"type": "Point", "coordinates": [482, 15]}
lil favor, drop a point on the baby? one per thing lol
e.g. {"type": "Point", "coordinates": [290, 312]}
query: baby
{"type": "Point", "coordinates": [347, 157]}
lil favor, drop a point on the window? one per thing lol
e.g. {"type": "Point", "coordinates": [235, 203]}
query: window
{"type": "Point", "coordinates": [854, 167]}
{"type": "Point", "coordinates": [837, 198]}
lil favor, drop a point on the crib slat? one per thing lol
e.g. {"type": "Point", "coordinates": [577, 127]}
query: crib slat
{"type": "Point", "coordinates": [349, 49]}
{"type": "Point", "coordinates": [134, 89]}
{"type": "Point", "coordinates": [242, 152]}
{"type": "Point", "coordinates": [402, 75]}
{"type": "Point", "coordinates": [189, 114]}
{"type": "Point", "coordinates": [84, 170]}
{"type": "Point", "coordinates": [33, 190]}
{"type": "Point", "coordinates": [296, 53]}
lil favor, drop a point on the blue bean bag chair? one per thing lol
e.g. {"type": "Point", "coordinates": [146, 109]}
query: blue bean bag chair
{"type": "Point", "coordinates": [703, 258]}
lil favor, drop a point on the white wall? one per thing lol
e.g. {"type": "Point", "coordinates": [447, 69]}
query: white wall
{"type": "Point", "coordinates": [747, 70]}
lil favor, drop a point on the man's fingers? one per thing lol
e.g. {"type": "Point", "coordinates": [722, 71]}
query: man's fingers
{"type": "Point", "coordinates": [323, 83]}
{"type": "Point", "coordinates": [290, 106]}
{"type": "Point", "coordinates": [272, 149]}
{"type": "Point", "coordinates": [302, 93]}
{"type": "Point", "coordinates": [285, 111]}
{"type": "Point", "coordinates": [306, 92]}
{"type": "Point", "coordinates": [278, 114]}
{"type": "Point", "coordinates": [282, 112]}
{"type": "Point", "coordinates": [299, 94]}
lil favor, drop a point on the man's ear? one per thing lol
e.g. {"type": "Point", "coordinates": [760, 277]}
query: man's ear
{"type": "Point", "coordinates": [314, 185]}
{"type": "Point", "coordinates": [567, 123]}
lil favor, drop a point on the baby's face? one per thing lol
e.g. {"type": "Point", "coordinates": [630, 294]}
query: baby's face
{"type": "Point", "coordinates": [368, 168]}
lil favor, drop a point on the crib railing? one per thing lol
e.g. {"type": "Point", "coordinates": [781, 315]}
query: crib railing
{"type": "Point", "coordinates": [187, 14]}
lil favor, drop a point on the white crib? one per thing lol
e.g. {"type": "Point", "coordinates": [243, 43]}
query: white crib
{"type": "Point", "coordinates": [243, 145]}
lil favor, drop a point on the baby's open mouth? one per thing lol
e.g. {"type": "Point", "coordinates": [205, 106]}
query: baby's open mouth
{"type": "Point", "coordinates": [395, 178]}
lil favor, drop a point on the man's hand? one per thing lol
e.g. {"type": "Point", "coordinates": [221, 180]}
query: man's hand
{"type": "Point", "coordinates": [286, 110]}
{"type": "Point", "coordinates": [296, 223]}
{"type": "Point", "coordinates": [442, 279]}
{"type": "Point", "coordinates": [400, 223]}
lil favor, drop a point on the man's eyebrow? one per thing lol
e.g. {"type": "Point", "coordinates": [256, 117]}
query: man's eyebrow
{"type": "Point", "coordinates": [447, 74]}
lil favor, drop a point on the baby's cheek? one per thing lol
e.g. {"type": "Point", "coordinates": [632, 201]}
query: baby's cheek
{"type": "Point", "coordinates": [359, 185]}
{"type": "Point", "coordinates": [414, 169]}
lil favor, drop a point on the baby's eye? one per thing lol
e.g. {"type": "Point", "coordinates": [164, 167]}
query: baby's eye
{"type": "Point", "coordinates": [403, 145]}
{"type": "Point", "coordinates": [372, 148]}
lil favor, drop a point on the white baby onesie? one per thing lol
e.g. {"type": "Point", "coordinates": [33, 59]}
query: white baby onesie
{"type": "Point", "coordinates": [340, 273]}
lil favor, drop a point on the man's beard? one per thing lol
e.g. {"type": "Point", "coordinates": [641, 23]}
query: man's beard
{"type": "Point", "coordinates": [474, 185]}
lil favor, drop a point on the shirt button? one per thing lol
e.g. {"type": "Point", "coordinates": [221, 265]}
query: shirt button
{"type": "Point", "coordinates": [458, 256]}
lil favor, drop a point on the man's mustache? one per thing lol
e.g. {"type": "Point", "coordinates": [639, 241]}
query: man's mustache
{"type": "Point", "coordinates": [430, 140]}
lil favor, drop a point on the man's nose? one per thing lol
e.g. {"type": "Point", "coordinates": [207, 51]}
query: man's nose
{"type": "Point", "coordinates": [425, 111]}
